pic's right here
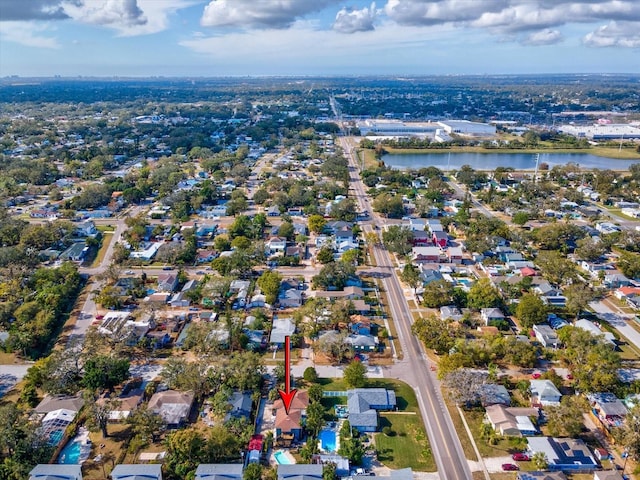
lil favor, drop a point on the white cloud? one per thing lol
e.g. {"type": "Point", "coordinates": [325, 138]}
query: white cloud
{"type": "Point", "coordinates": [543, 37]}
{"type": "Point", "coordinates": [615, 34]}
{"type": "Point", "coordinates": [114, 12]}
{"type": "Point", "coordinates": [32, 10]}
{"type": "Point", "coordinates": [259, 13]}
{"type": "Point", "coordinates": [27, 33]}
{"type": "Point", "coordinates": [351, 21]}
{"type": "Point", "coordinates": [534, 23]}
{"type": "Point", "coordinates": [128, 17]}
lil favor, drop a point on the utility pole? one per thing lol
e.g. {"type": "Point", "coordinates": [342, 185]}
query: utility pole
{"type": "Point", "coordinates": [535, 173]}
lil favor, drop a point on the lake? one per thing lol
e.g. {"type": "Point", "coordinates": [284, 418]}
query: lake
{"type": "Point", "coordinates": [489, 161]}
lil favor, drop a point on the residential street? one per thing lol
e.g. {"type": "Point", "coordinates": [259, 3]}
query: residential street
{"type": "Point", "coordinates": [414, 368]}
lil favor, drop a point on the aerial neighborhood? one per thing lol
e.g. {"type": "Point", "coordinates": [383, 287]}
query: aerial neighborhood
{"type": "Point", "coordinates": [170, 266]}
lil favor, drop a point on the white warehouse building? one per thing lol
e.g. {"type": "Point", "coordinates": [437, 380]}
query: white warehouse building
{"type": "Point", "coordinates": [467, 128]}
{"type": "Point", "coordinates": [425, 129]}
{"type": "Point", "coordinates": [614, 131]}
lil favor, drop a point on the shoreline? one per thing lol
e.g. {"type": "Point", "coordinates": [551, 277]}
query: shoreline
{"type": "Point", "coordinates": [609, 153]}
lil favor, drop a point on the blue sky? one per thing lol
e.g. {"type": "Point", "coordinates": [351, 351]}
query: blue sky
{"type": "Point", "coordinates": [317, 37]}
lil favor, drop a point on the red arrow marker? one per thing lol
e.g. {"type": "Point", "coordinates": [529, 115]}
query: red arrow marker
{"type": "Point", "coordinates": [288, 394]}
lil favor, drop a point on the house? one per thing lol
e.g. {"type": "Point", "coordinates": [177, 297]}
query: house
{"type": "Point", "coordinates": [454, 254]}
{"type": "Point", "coordinates": [608, 408]}
{"type": "Point", "coordinates": [126, 404]}
{"type": "Point", "coordinates": [51, 403]}
{"type": "Point", "coordinates": [276, 245]}
{"type": "Point", "coordinates": [241, 405]}
{"type": "Point", "coordinates": [173, 406]}
{"type": "Point", "coordinates": [493, 394]}
{"type": "Point", "coordinates": [539, 475]}
{"type": "Point", "coordinates": [512, 421]}
{"type": "Point", "coordinates": [429, 275]}
{"type": "Point", "coordinates": [623, 293]}
{"type": "Point", "coordinates": [616, 280]}
{"type": "Point", "coordinates": [273, 211]}
{"type": "Point", "coordinates": [281, 328]}
{"type": "Point", "coordinates": [425, 254]}
{"type": "Point", "coordinates": [360, 325]}
{"type": "Point", "coordinates": [56, 472]}
{"type": "Point", "coordinates": [421, 238]}
{"type": "Point", "coordinates": [350, 293]}
{"type": "Point", "coordinates": [300, 471]}
{"type": "Point", "coordinates": [290, 295]}
{"type": "Point", "coordinates": [258, 300]}
{"type": "Point", "coordinates": [75, 253]}
{"type": "Point", "coordinates": [336, 226]}
{"type": "Point", "coordinates": [219, 471]}
{"type": "Point", "coordinates": [450, 312]}
{"type": "Point", "coordinates": [288, 426]}
{"type": "Point", "coordinates": [206, 256]}
{"type": "Point", "coordinates": [241, 289]}
{"type": "Point", "coordinates": [546, 335]}
{"type": "Point", "coordinates": [363, 405]}
{"type": "Point", "coordinates": [217, 210]}
{"type": "Point", "coordinates": [362, 343]}
{"type": "Point", "coordinates": [607, 475]}
{"type": "Point", "coordinates": [544, 392]}
{"type": "Point", "coordinates": [440, 239]}
{"type": "Point", "coordinates": [549, 294]}
{"type": "Point", "coordinates": [137, 472]}
{"type": "Point", "coordinates": [416, 224]}
{"type": "Point", "coordinates": [489, 315]}
{"type": "Point", "coordinates": [86, 229]}
{"type": "Point", "coordinates": [167, 281]}
{"type": "Point", "coordinates": [564, 454]}
{"type": "Point", "coordinates": [434, 225]}
{"type": "Point", "coordinates": [594, 330]}
{"type": "Point", "coordinates": [181, 299]}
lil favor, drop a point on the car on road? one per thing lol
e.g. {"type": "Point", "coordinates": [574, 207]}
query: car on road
{"type": "Point", "coordinates": [167, 268]}
{"type": "Point", "coordinates": [520, 457]}
{"type": "Point", "coordinates": [99, 317]}
{"type": "Point", "coordinates": [200, 272]}
{"type": "Point", "coordinates": [129, 272]}
{"type": "Point", "coordinates": [509, 467]}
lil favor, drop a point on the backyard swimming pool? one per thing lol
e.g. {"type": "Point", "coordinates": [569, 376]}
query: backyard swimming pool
{"type": "Point", "coordinates": [77, 450]}
{"type": "Point", "coordinates": [327, 439]}
{"type": "Point", "coordinates": [282, 458]}
{"type": "Point", "coordinates": [70, 454]}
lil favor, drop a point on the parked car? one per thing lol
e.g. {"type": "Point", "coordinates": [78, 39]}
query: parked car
{"type": "Point", "coordinates": [509, 467]}
{"type": "Point", "coordinates": [521, 457]}
{"type": "Point", "coordinates": [535, 375]}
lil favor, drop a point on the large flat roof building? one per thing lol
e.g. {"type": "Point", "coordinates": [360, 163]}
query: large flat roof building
{"type": "Point", "coordinates": [425, 129]}
{"type": "Point", "coordinates": [613, 131]}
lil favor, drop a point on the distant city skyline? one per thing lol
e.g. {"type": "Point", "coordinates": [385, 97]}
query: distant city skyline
{"type": "Point", "coordinates": [141, 38]}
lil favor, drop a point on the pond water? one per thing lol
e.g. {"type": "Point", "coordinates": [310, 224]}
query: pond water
{"type": "Point", "coordinates": [489, 161]}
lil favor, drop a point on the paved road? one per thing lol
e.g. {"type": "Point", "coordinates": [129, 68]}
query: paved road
{"type": "Point", "coordinates": [618, 321]}
{"type": "Point", "coordinates": [414, 369]}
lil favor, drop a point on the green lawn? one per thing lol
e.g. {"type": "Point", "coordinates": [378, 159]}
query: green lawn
{"type": "Point", "coordinates": [405, 396]}
{"type": "Point", "coordinates": [408, 446]}
{"type": "Point", "coordinates": [504, 446]}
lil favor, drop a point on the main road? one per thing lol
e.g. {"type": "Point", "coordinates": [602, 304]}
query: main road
{"type": "Point", "coordinates": [414, 367]}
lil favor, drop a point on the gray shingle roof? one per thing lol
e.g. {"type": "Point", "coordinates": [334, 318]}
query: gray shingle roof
{"type": "Point", "coordinates": [219, 471]}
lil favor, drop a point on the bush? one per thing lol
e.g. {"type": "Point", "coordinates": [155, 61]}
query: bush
{"type": "Point", "coordinates": [388, 432]}
{"type": "Point", "coordinates": [310, 375]}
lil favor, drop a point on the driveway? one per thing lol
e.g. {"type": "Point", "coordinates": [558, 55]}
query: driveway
{"type": "Point", "coordinates": [10, 375]}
